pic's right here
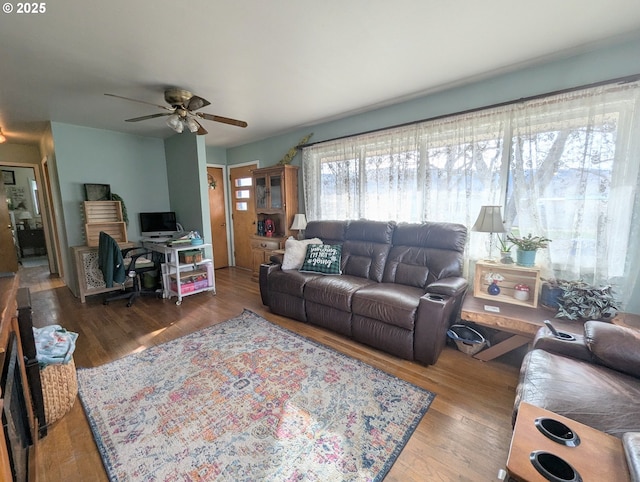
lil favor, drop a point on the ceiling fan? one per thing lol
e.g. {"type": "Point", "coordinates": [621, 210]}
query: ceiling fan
{"type": "Point", "coordinates": [181, 111]}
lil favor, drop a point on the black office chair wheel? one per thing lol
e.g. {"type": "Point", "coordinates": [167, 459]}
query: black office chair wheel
{"type": "Point", "coordinates": [129, 304]}
{"type": "Point", "coordinates": [105, 302]}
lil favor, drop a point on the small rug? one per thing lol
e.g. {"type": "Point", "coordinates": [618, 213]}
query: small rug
{"type": "Point", "coordinates": [246, 400]}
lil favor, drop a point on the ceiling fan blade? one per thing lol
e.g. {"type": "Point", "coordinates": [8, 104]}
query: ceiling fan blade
{"type": "Point", "coordinates": [224, 120]}
{"type": "Point", "coordinates": [140, 101]}
{"type": "Point", "coordinates": [197, 102]}
{"type": "Point", "coordinates": [201, 130]}
{"type": "Point", "coordinates": [145, 117]}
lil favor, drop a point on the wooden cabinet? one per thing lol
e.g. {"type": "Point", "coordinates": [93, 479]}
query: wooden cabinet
{"type": "Point", "coordinates": [276, 199]}
{"type": "Point", "coordinates": [510, 277]}
{"type": "Point", "coordinates": [261, 250]}
{"type": "Point", "coordinates": [31, 239]}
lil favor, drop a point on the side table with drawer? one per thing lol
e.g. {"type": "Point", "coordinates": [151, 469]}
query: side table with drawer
{"type": "Point", "coordinates": [261, 249]}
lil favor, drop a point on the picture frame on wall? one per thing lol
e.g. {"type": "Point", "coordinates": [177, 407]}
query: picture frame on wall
{"type": "Point", "coordinates": [97, 192]}
{"type": "Point", "coordinates": [9, 178]}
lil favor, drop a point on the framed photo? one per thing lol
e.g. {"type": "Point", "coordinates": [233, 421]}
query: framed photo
{"type": "Point", "coordinates": [97, 192]}
{"type": "Point", "coordinates": [9, 178]}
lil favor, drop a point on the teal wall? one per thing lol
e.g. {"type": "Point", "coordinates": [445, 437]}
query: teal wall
{"type": "Point", "coordinates": [216, 155]}
{"type": "Point", "coordinates": [134, 166]}
{"type": "Point", "coordinates": [187, 169]}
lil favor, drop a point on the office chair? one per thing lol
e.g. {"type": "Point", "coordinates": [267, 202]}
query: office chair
{"type": "Point", "coordinates": [118, 265]}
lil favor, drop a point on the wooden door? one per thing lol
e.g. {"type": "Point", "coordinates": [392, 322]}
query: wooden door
{"type": "Point", "coordinates": [217, 213]}
{"type": "Point", "coordinates": [8, 256]}
{"type": "Point", "coordinates": [244, 214]}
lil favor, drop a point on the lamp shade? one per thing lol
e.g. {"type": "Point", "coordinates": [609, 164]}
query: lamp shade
{"type": "Point", "coordinates": [299, 222]}
{"type": "Point", "coordinates": [24, 215]}
{"type": "Point", "coordinates": [489, 220]}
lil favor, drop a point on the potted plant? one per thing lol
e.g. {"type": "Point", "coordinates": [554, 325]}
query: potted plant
{"type": "Point", "coordinates": [505, 251]}
{"type": "Point", "coordinates": [527, 247]}
{"type": "Point", "coordinates": [551, 291]}
{"type": "Point", "coordinates": [582, 301]}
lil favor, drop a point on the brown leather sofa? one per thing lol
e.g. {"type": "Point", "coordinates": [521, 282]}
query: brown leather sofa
{"type": "Point", "coordinates": [401, 285]}
{"type": "Point", "coordinates": [594, 379]}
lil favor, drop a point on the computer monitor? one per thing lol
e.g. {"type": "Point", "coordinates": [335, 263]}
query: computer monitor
{"type": "Point", "coordinates": [158, 224]}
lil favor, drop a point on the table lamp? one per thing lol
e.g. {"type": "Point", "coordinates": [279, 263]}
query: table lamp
{"type": "Point", "coordinates": [299, 224]}
{"type": "Point", "coordinates": [25, 216]}
{"type": "Point", "coordinates": [489, 221]}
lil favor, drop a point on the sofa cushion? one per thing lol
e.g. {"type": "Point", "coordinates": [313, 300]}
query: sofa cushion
{"type": "Point", "coordinates": [604, 399]}
{"type": "Point", "coordinates": [295, 251]}
{"type": "Point", "coordinates": [407, 265]}
{"type": "Point", "coordinates": [290, 282]}
{"type": "Point", "coordinates": [323, 258]}
{"type": "Point", "coordinates": [331, 232]}
{"type": "Point", "coordinates": [335, 291]}
{"type": "Point", "coordinates": [366, 247]}
{"type": "Point", "coordinates": [392, 303]}
{"type": "Point", "coordinates": [614, 346]}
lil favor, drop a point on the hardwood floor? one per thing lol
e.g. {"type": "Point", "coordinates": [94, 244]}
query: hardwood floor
{"type": "Point", "coordinates": [464, 436]}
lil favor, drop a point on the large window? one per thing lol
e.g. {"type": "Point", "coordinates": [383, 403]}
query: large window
{"type": "Point", "coordinates": [564, 166]}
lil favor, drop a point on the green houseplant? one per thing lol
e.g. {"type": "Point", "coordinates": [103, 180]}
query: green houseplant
{"type": "Point", "coordinates": [527, 247]}
{"type": "Point", "coordinates": [505, 251]}
{"type": "Point", "coordinates": [582, 301]}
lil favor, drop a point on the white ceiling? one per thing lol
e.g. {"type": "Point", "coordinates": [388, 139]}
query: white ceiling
{"type": "Point", "coordinates": [277, 64]}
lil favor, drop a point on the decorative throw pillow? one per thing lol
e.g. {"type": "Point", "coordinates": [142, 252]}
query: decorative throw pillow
{"type": "Point", "coordinates": [295, 251]}
{"type": "Point", "coordinates": [323, 258]}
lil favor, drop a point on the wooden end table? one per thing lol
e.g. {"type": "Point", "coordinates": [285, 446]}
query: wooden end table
{"type": "Point", "coordinates": [520, 321]}
{"type": "Point", "coordinates": [598, 456]}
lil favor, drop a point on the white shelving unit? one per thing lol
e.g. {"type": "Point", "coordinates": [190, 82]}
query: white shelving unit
{"type": "Point", "coordinates": [186, 279]}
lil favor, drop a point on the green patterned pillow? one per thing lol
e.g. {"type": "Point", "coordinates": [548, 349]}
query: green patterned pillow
{"type": "Point", "coordinates": [323, 258]}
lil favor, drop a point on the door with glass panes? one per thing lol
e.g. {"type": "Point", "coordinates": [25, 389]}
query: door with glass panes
{"type": "Point", "coordinates": [243, 213]}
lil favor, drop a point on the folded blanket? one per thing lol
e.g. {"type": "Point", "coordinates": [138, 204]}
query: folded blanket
{"type": "Point", "coordinates": [54, 345]}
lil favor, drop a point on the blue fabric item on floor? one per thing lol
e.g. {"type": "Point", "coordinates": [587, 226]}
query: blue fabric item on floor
{"type": "Point", "coordinates": [54, 345]}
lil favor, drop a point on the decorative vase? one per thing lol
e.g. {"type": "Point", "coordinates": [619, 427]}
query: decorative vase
{"type": "Point", "coordinates": [493, 289]}
{"type": "Point", "coordinates": [505, 257]}
{"type": "Point", "coordinates": [526, 258]}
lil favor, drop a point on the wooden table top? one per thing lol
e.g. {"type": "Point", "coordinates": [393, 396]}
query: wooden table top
{"type": "Point", "coordinates": [519, 320]}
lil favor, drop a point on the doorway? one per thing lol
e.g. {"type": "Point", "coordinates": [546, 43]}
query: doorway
{"type": "Point", "coordinates": [218, 217]}
{"type": "Point", "coordinates": [243, 213]}
{"type": "Point", "coordinates": [26, 231]}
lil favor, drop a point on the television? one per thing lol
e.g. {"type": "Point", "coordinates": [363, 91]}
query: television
{"type": "Point", "coordinates": [156, 225]}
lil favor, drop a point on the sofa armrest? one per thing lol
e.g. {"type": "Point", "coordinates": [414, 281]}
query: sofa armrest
{"type": "Point", "coordinates": [574, 348]}
{"type": "Point", "coordinates": [431, 324]}
{"type": "Point", "coordinates": [614, 346]}
{"type": "Point", "coordinates": [452, 286]}
{"type": "Point", "coordinates": [265, 269]}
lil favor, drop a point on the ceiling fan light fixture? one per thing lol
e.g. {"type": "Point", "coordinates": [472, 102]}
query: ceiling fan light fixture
{"type": "Point", "coordinates": [192, 125]}
{"type": "Point", "coordinates": [175, 123]}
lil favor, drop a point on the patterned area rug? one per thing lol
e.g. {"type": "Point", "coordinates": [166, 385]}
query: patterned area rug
{"type": "Point", "coordinates": [246, 400]}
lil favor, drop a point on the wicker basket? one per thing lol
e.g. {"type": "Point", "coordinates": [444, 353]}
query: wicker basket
{"type": "Point", "coordinates": [59, 390]}
{"type": "Point", "coordinates": [467, 339]}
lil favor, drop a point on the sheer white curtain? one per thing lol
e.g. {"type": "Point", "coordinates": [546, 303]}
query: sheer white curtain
{"type": "Point", "coordinates": [565, 167]}
{"type": "Point", "coordinates": [574, 171]}
{"type": "Point", "coordinates": [441, 170]}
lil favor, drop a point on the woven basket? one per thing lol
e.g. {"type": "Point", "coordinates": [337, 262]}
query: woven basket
{"type": "Point", "coordinates": [59, 390]}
